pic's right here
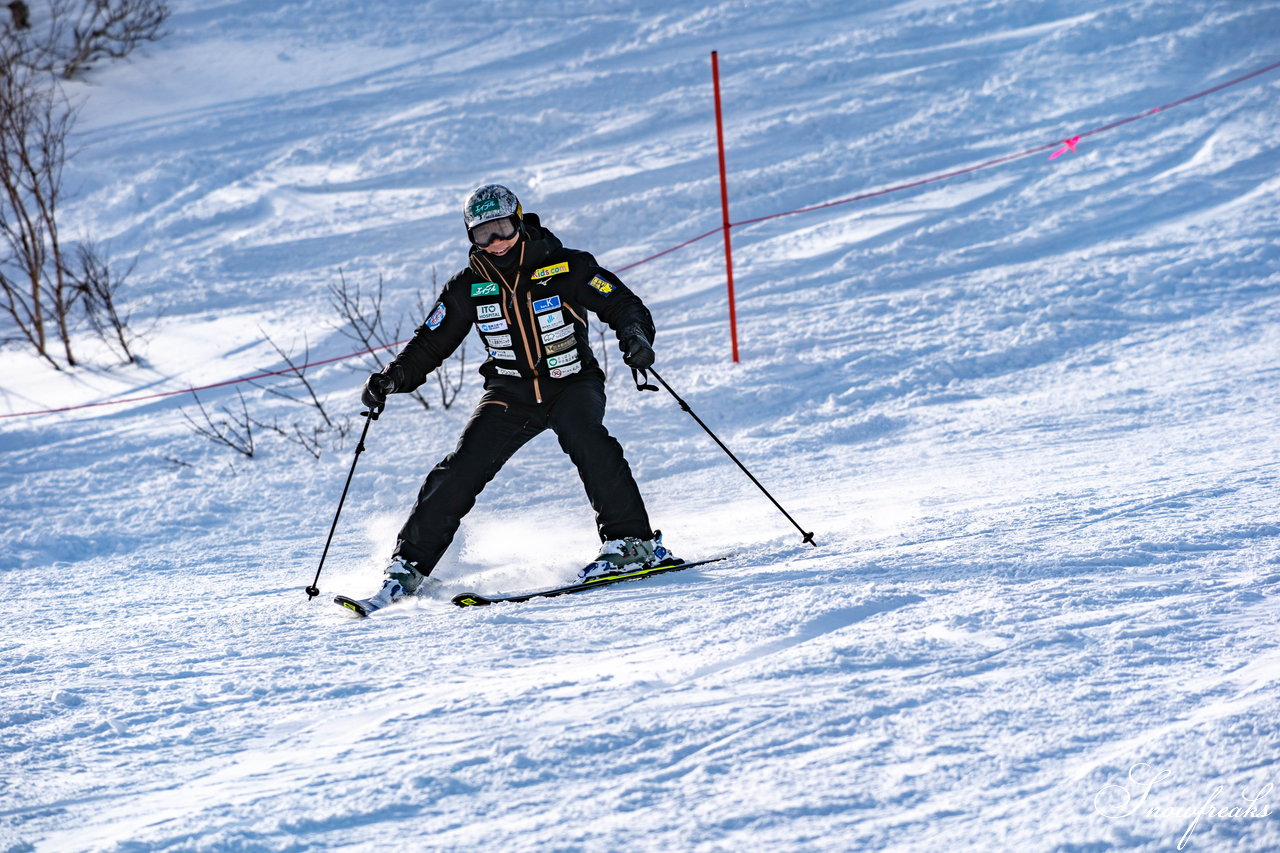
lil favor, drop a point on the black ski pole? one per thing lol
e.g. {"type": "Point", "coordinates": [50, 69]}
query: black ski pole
{"type": "Point", "coordinates": [370, 416]}
{"type": "Point", "coordinates": [808, 537]}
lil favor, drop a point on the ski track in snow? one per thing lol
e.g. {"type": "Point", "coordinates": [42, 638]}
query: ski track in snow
{"type": "Point", "coordinates": [1027, 412]}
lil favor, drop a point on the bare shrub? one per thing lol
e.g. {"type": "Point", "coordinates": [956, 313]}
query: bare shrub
{"type": "Point", "coordinates": [68, 37]}
{"type": "Point", "coordinates": [365, 322]}
{"type": "Point", "coordinates": [34, 123]}
{"type": "Point", "coordinates": [96, 286]}
{"type": "Point", "coordinates": [233, 429]}
{"type": "Point", "coordinates": [310, 437]}
{"type": "Point", "coordinates": [39, 285]}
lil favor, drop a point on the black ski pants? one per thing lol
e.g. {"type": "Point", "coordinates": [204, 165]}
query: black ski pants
{"type": "Point", "coordinates": [498, 428]}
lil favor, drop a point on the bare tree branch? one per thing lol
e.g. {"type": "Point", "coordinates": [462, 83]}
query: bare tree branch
{"type": "Point", "coordinates": [301, 375]}
{"type": "Point", "coordinates": [34, 123]}
{"type": "Point", "coordinates": [68, 37]}
{"type": "Point", "coordinates": [234, 431]}
{"type": "Point", "coordinates": [96, 287]}
{"type": "Point", "coordinates": [39, 290]}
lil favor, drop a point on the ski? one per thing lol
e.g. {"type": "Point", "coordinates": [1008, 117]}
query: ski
{"type": "Point", "coordinates": [362, 607]}
{"type": "Point", "coordinates": [475, 599]}
{"type": "Point", "coordinates": [358, 606]}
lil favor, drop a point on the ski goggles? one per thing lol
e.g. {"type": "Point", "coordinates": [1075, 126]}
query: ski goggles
{"type": "Point", "coordinates": [495, 229]}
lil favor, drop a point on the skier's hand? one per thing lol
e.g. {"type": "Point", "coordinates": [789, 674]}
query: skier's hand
{"type": "Point", "coordinates": [376, 389]}
{"type": "Point", "coordinates": [636, 351]}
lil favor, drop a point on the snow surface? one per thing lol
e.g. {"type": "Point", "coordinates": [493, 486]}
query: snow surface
{"type": "Point", "coordinates": [1029, 413]}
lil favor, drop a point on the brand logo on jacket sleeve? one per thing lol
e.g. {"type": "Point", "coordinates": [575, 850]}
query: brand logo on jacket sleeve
{"type": "Point", "coordinates": [600, 284]}
{"type": "Point", "coordinates": [436, 318]}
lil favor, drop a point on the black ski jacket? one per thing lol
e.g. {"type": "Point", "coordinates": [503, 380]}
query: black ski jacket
{"type": "Point", "coordinates": [531, 316]}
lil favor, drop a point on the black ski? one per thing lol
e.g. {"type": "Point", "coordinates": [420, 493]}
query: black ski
{"type": "Point", "coordinates": [475, 599]}
{"type": "Point", "coordinates": [358, 606]}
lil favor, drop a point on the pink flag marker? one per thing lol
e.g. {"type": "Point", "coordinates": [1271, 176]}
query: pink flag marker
{"type": "Point", "coordinates": [1067, 145]}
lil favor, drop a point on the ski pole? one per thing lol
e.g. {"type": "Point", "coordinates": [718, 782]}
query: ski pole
{"type": "Point", "coordinates": [808, 537]}
{"type": "Point", "coordinates": [370, 416]}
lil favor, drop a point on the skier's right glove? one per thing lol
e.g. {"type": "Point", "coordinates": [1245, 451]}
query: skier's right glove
{"type": "Point", "coordinates": [376, 389]}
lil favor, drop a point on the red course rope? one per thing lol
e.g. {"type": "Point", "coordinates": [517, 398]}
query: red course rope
{"type": "Point", "coordinates": [192, 390]}
{"type": "Point", "coordinates": [861, 197]}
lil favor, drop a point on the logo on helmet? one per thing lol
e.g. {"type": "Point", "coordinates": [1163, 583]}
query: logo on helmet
{"type": "Point", "coordinates": [484, 206]}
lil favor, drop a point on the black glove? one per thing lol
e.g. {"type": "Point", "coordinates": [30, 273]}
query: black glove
{"type": "Point", "coordinates": [376, 389]}
{"type": "Point", "coordinates": [636, 352]}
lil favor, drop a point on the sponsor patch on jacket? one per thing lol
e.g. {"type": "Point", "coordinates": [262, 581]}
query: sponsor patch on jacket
{"type": "Point", "coordinates": [505, 372]}
{"type": "Point", "coordinates": [504, 354]}
{"type": "Point", "coordinates": [489, 311]}
{"type": "Point", "coordinates": [484, 288]}
{"type": "Point", "coordinates": [498, 340]}
{"type": "Point", "coordinates": [436, 318]}
{"type": "Point", "coordinates": [554, 320]}
{"type": "Point", "coordinates": [548, 304]}
{"type": "Point", "coordinates": [561, 346]}
{"type": "Point", "coordinates": [561, 372]}
{"type": "Point", "coordinates": [557, 335]}
{"type": "Point", "coordinates": [605, 287]}
{"type": "Point", "coordinates": [547, 272]}
{"type": "Point", "coordinates": [561, 360]}
{"type": "Point", "coordinates": [495, 326]}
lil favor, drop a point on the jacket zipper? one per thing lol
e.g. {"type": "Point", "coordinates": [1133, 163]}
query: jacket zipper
{"type": "Point", "coordinates": [537, 330]}
{"type": "Point", "coordinates": [524, 335]}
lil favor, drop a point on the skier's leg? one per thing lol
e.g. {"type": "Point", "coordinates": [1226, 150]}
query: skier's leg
{"type": "Point", "coordinates": [496, 430]}
{"type": "Point", "coordinates": [577, 417]}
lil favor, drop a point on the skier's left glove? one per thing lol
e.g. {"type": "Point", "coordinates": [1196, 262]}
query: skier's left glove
{"type": "Point", "coordinates": [376, 389]}
{"type": "Point", "coordinates": [636, 351]}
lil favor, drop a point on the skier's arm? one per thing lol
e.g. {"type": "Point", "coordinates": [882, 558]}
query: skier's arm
{"type": "Point", "coordinates": [434, 341]}
{"type": "Point", "coordinates": [603, 293]}
{"type": "Point", "coordinates": [616, 304]}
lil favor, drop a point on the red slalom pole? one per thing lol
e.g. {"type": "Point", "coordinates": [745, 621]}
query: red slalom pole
{"type": "Point", "coordinates": [724, 205]}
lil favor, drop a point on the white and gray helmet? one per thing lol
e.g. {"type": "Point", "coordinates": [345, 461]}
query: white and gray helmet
{"type": "Point", "coordinates": [489, 202]}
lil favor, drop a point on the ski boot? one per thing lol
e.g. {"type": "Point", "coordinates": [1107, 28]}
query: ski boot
{"type": "Point", "coordinates": [401, 580]}
{"type": "Point", "coordinates": [630, 554]}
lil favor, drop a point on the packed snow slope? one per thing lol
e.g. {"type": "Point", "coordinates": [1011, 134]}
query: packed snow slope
{"type": "Point", "coordinates": [1029, 413]}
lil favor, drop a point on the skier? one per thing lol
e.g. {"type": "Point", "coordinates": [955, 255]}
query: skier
{"type": "Point", "coordinates": [528, 297]}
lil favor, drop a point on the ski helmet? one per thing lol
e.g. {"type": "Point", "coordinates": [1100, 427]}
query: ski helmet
{"type": "Point", "coordinates": [489, 202]}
